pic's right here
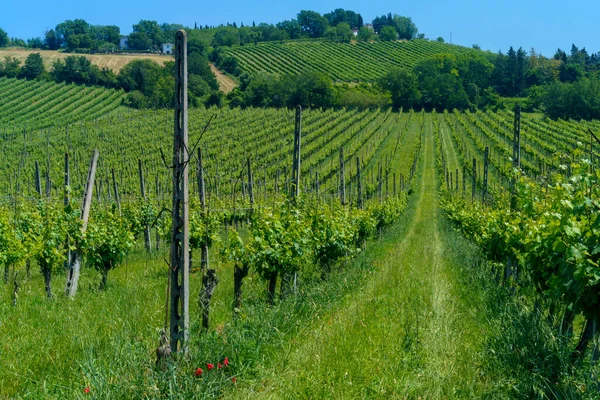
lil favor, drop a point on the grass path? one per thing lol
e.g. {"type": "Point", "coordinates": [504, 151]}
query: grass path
{"type": "Point", "coordinates": [414, 329]}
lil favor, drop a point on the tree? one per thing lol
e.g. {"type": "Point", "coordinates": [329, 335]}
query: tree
{"type": "Point", "coordinates": [198, 65]}
{"type": "Point", "coordinates": [379, 22]}
{"type": "Point", "coordinates": [68, 28]}
{"type": "Point", "coordinates": [365, 34]}
{"type": "Point", "coordinates": [4, 39]}
{"type": "Point", "coordinates": [440, 40]}
{"type": "Point", "coordinates": [340, 15]}
{"type": "Point", "coordinates": [341, 33]}
{"type": "Point", "coordinates": [388, 34]}
{"type": "Point", "coordinates": [405, 27]}
{"type": "Point", "coordinates": [312, 23]}
{"type": "Point", "coordinates": [292, 27]}
{"type": "Point", "coordinates": [139, 41]}
{"type": "Point", "coordinates": [10, 67]}
{"type": "Point", "coordinates": [402, 86]}
{"type": "Point", "coordinates": [226, 36]}
{"type": "Point", "coordinates": [310, 89]}
{"type": "Point", "coordinates": [35, 43]}
{"type": "Point", "coordinates": [140, 75]}
{"type": "Point", "coordinates": [51, 41]}
{"type": "Point", "coordinates": [151, 29]}
{"type": "Point", "coordinates": [34, 66]}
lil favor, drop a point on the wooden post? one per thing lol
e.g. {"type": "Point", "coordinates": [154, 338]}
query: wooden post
{"type": "Point", "coordinates": [516, 153]}
{"type": "Point", "coordinates": [116, 189]}
{"type": "Point", "coordinates": [202, 193]}
{"type": "Point", "coordinates": [342, 178]}
{"type": "Point", "coordinates": [147, 240]}
{"type": "Point", "coordinates": [359, 182]}
{"type": "Point", "coordinates": [464, 178]}
{"type": "Point", "coordinates": [67, 200]}
{"type": "Point", "coordinates": [474, 181]}
{"type": "Point", "coordinates": [75, 261]}
{"type": "Point", "coordinates": [296, 157]}
{"type": "Point", "coordinates": [456, 176]}
{"type": "Point", "coordinates": [179, 295]}
{"type": "Point", "coordinates": [38, 180]}
{"type": "Point", "coordinates": [380, 182]}
{"type": "Point", "coordinates": [48, 182]}
{"type": "Point", "coordinates": [485, 174]}
{"type": "Point", "coordinates": [250, 185]}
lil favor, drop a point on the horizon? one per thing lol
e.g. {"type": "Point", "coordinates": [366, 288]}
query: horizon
{"type": "Point", "coordinates": [489, 25]}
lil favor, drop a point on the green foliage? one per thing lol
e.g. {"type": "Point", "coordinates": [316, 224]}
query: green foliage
{"type": "Point", "coordinates": [50, 234]}
{"type": "Point", "coordinates": [365, 34]}
{"type": "Point", "coordinates": [152, 31]}
{"type": "Point", "coordinates": [388, 34]}
{"type": "Point", "coordinates": [312, 23]}
{"type": "Point", "coordinates": [10, 67]}
{"type": "Point", "coordinates": [340, 33]}
{"type": "Point", "coordinates": [403, 88]}
{"type": "Point", "coordinates": [108, 239]}
{"type": "Point", "coordinates": [139, 41]}
{"type": "Point", "coordinates": [4, 39]}
{"type": "Point", "coordinates": [34, 66]}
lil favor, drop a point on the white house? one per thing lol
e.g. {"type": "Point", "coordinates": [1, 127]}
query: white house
{"type": "Point", "coordinates": [167, 48]}
{"type": "Point", "coordinates": [355, 32]}
{"type": "Point", "coordinates": [124, 42]}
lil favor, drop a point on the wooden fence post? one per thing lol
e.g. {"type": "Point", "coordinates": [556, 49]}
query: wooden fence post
{"type": "Point", "coordinates": [75, 261]}
{"type": "Point", "coordinates": [147, 238]}
{"type": "Point", "coordinates": [180, 238]}
{"type": "Point", "coordinates": [342, 178]}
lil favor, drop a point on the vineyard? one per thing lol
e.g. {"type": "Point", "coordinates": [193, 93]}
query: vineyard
{"type": "Point", "coordinates": [361, 62]}
{"type": "Point", "coordinates": [31, 105]}
{"type": "Point", "coordinates": [358, 287]}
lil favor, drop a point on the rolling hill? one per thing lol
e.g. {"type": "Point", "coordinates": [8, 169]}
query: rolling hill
{"type": "Point", "coordinates": [343, 62]}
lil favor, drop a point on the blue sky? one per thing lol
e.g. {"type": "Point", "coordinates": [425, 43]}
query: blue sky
{"type": "Point", "coordinates": [494, 25]}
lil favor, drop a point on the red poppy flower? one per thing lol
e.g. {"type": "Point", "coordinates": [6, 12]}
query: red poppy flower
{"type": "Point", "coordinates": [226, 361]}
{"type": "Point", "coordinates": [199, 372]}
{"type": "Point", "coordinates": [219, 365]}
{"type": "Point", "coordinates": [86, 390]}
{"type": "Point", "coordinates": [233, 379]}
{"type": "Point", "coordinates": [209, 366]}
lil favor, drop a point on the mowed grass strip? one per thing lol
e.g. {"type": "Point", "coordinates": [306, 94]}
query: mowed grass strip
{"type": "Point", "coordinates": [413, 329]}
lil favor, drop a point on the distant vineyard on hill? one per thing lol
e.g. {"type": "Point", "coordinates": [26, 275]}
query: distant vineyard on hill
{"type": "Point", "coordinates": [39, 104]}
{"type": "Point", "coordinates": [341, 61]}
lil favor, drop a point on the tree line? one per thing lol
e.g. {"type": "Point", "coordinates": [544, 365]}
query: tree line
{"type": "Point", "coordinates": [147, 35]}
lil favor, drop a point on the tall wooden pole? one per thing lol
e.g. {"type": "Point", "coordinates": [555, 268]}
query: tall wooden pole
{"type": "Point", "coordinates": [516, 153]}
{"type": "Point", "coordinates": [179, 295]}
{"type": "Point", "coordinates": [147, 239]}
{"type": "Point", "coordinates": [75, 261]}
{"type": "Point", "coordinates": [342, 178]}
{"type": "Point", "coordinates": [296, 157]}
{"type": "Point", "coordinates": [116, 190]}
{"type": "Point", "coordinates": [486, 161]}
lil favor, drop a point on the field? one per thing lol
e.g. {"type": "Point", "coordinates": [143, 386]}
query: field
{"type": "Point", "coordinates": [420, 311]}
{"type": "Point", "coordinates": [40, 104]}
{"type": "Point", "coordinates": [343, 62]}
{"type": "Point", "coordinates": [114, 62]}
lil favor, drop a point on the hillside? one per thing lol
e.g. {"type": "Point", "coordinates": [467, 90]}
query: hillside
{"type": "Point", "coordinates": [112, 61]}
{"type": "Point", "coordinates": [39, 104]}
{"type": "Point", "coordinates": [345, 62]}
